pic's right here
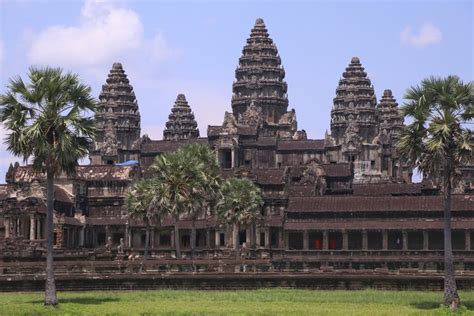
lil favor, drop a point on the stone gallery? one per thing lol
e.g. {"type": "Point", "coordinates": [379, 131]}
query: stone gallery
{"type": "Point", "coordinates": [344, 201]}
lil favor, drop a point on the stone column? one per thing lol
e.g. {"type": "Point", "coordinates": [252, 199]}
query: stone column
{"type": "Point", "coordinates": [365, 240]}
{"type": "Point", "coordinates": [281, 238]}
{"type": "Point", "coordinates": [325, 240]}
{"type": "Point", "coordinates": [127, 236]}
{"type": "Point", "coordinates": [257, 237]}
{"type": "Point", "coordinates": [286, 244]}
{"type": "Point", "coordinates": [267, 237]}
{"type": "Point", "coordinates": [426, 243]}
{"type": "Point", "coordinates": [172, 232]}
{"type": "Point", "coordinates": [468, 239]}
{"type": "Point", "coordinates": [233, 158]}
{"type": "Point", "coordinates": [208, 238]}
{"type": "Point", "coordinates": [248, 235]}
{"type": "Point", "coordinates": [107, 234]}
{"type": "Point", "coordinates": [32, 227]}
{"type": "Point", "coordinates": [81, 236]}
{"type": "Point", "coordinates": [218, 238]}
{"type": "Point", "coordinates": [345, 240]}
{"type": "Point", "coordinates": [384, 239]}
{"type": "Point", "coordinates": [404, 240]}
{"type": "Point", "coordinates": [152, 238]}
{"type": "Point", "coordinates": [305, 240]}
{"type": "Point", "coordinates": [7, 227]}
{"type": "Point", "coordinates": [38, 228]}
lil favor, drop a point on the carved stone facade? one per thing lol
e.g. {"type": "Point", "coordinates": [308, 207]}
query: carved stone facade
{"type": "Point", "coordinates": [118, 120]}
{"type": "Point", "coordinates": [363, 132]}
{"type": "Point", "coordinates": [346, 192]}
{"type": "Point", "coordinates": [181, 124]}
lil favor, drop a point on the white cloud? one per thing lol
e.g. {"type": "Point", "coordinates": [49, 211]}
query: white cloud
{"type": "Point", "coordinates": [429, 34]}
{"type": "Point", "coordinates": [105, 32]}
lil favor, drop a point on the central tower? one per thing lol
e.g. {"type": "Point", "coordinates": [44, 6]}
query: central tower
{"type": "Point", "coordinates": [259, 78]}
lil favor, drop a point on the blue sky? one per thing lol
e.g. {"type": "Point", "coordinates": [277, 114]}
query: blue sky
{"type": "Point", "coordinates": [192, 47]}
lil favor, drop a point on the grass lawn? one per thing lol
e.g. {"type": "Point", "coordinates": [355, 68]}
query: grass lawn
{"type": "Point", "coordinates": [252, 302]}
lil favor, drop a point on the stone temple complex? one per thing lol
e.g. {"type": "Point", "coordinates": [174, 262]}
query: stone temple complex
{"type": "Point", "coordinates": [344, 202]}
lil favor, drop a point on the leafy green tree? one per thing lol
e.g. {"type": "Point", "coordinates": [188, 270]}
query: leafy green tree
{"type": "Point", "coordinates": [186, 182]}
{"type": "Point", "coordinates": [47, 124]}
{"type": "Point", "coordinates": [240, 203]}
{"type": "Point", "coordinates": [438, 142]}
{"type": "Point", "coordinates": [142, 203]}
{"type": "Point", "coordinates": [206, 179]}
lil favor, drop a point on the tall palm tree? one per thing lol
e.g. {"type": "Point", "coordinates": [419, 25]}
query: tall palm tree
{"type": "Point", "coordinates": [438, 143]}
{"type": "Point", "coordinates": [206, 177]}
{"type": "Point", "coordinates": [142, 203]}
{"type": "Point", "coordinates": [47, 121]}
{"type": "Point", "coordinates": [174, 183]}
{"type": "Point", "coordinates": [239, 204]}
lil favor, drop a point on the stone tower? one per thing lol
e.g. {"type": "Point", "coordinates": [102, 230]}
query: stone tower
{"type": "Point", "coordinates": [390, 124]}
{"type": "Point", "coordinates": [117, 119]}
{"type": "Point", "coordinates": [390, 119]}
{"type": "Point", "coordinates": [181, 124]}
{"type": "Point", "coordinates": [354, 106]}
{"type": "Point", "coordinates": [355, 125]}
{"type": "Point", "coordinates": [259, 84]}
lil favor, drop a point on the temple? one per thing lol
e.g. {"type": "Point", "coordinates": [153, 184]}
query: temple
{"type": "Point", "coordinates": [344, 201]}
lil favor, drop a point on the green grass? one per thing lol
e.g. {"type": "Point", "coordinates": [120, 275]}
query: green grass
{"type": "Point", "coordinates": [254, 302]}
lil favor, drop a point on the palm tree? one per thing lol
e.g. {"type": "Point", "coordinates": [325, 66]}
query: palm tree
{"type": "Point", "coordinates": [47, 124]}
{"type": "Point", "coordinates": [239, 204]}
{"type": "Point", "coordinates": [205, 172]}
{"type": "Point", "coordinates": [438, 143]}
{"type": "Point", "coordinates": [174, 185]}
{"type": "Point", "coordinates": [142, 203]}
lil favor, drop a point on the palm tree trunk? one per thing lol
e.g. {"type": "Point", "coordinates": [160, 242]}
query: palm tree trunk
{"type": "Point", "coordinates": [50, 291]}
{"type": "Point", "coordinates": [147, 239]}
{"type": "Point", "coordinates": [236, 231]}
{"type": "Point", "coordinates": [176, 239]}
{"type": "Point", "coordinates": [193, 237]}
{"type": "Point", "coordinates": [451, 297]}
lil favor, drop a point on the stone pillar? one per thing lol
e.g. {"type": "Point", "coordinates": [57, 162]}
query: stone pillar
{"type": "Point", "coordinates": [152, 238]}
{"type": "Point", "coordinates": [345, 240]}
{"type": "Point", "coordinates": [384, 239]}
{"type": "Point", "coordinates": [281, 238]}
{"type": "Point", "coordinates": [325, 240]}
{"type": "Point", "coordinates": [286, 244]}
{"type": "Point", "coordinates": [468, 239]}
{"type": "Point", "coordinates": [127, 236]}
{"type": "Point", "coordinates": [365, 240]}
{"type": "Point", "coordinates": [233, 158]}
{"type": "Point", "coordinates": [257, 237]}
{"type": "Point", "coordinates": [248, 236]}
{"type": "Point", "coordinates": [305, 240]}
{"type": "Point", "coordinates": [38, 228]}
{"type": "Point", "coordinates": [217, 238]}
{"type": "Point", "coordinates": [426, 243]}
{"type": "Point", "coordinates": [404, 240]}
{"type": "Point", "coordinates": [267, 237]}
{"type": "Point", "coordinates": [81, 236]}
{"type": "Point", "coordinates": [208, 238]}
{"type": "Point", "coordinates": [107, 234]}
{"type": "Point", "coordinates": [172, 232]}
{"type": "Point", "coordinates": [7, 227]}
{"type": "Point", "coordinates": [32, 227]}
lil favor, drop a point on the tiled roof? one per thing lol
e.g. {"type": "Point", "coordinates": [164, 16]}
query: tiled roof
{"type": "Point", "coordinates": [388, 189]}
{"type": "Point", "coordinates": [165, 146]}
{"type": "Point", "coordinates": [105, 172]}
{"type": "Point", "coordinates": [377, 203]}
{"type": "Point", "coordinates": [337, 170]}
{"type": "Point", "coordinates": [290, 145]}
